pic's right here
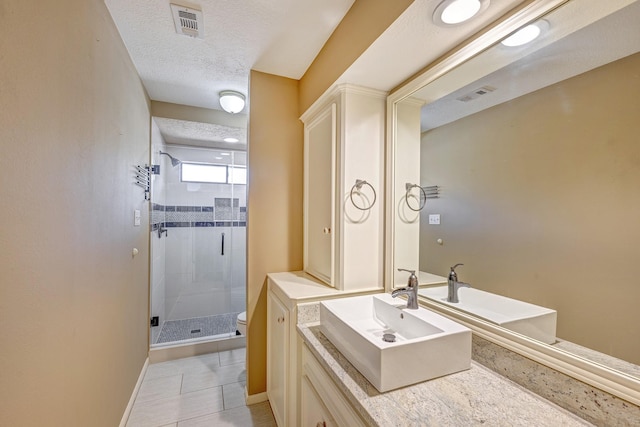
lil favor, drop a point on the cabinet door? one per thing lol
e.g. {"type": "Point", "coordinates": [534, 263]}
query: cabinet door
{"type": "Point", "coordinates": [312, 411]}
{"type": "Point", "coordinates": [320, 141]}
{"type": "Point", "coordinates": [277, 357]}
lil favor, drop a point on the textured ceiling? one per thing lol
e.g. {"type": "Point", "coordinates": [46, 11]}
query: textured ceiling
{"type": "Point", "coordinates": [201, 134]}
{"type": "Point", "coordinates": [280, 37]}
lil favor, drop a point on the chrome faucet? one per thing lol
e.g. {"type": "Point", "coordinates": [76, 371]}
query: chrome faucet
{"type": "Point", "coordinates": [453, 285]}
{"type": "Point", "coordinates": [411, 291]}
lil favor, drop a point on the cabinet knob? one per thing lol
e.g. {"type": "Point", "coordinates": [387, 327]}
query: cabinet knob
{"type": "Point", "coordinates": [326, 230]}
{"type": "Point", "coordinates": [281, 319]}
{"type": "Point", "coordinates": [321, 424]}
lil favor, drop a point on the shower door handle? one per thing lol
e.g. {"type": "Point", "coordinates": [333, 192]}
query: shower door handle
{"type": "Point", "coordinates": [222, 244]}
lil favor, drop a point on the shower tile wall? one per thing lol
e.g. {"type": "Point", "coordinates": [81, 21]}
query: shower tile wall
{"type": "Point", "coordinates": [199, 280]}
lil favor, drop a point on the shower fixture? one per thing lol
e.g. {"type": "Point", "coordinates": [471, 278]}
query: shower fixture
{"type": "Point", "coordinates": [174, 162]}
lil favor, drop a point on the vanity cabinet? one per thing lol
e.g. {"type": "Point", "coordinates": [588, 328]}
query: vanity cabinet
{"type": "Point", "coordinates": [322, 403]}
{"type": "Point", "coordinates": [312, 411]}
{"type": "Point", "coordinates": [287, 292]}
{"type": "Point", "coordinates": [284, 292]}
{"type": "Point", "coordinates": [320, 143]}
{"type": "Point", "coordinates": [343, 224]}
{"type": "Point", "coordinates": [278, 327]}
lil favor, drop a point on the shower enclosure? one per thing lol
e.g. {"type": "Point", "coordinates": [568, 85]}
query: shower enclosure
{"type": "Point", "coordinates": [198, 242]}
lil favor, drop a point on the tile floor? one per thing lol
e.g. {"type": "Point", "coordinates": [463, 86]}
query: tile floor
{"type": "Point", "coordinates": [198, 391]}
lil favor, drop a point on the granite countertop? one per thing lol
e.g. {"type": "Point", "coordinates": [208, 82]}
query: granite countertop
{"type": "Point", "coordinates": [477, 396]}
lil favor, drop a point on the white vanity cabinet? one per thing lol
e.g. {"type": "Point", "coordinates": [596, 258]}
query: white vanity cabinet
{"type": "Point", "coordinates": [319, 190]}
{"type": "Point", "coordinates": [313, 412]}
{"type": "Point", "coordinates": [285, 293]}
{"type": "Point", "coordinates": [322, 403]}
{"type": "Point", "coordinates": [278, 327]}
{"type": "Point", "coordinates": [344, 142]}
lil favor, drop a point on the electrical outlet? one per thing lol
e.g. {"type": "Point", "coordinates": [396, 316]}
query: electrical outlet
{"type": "Point", "coordinates": [434, 219]}
{"type": "Point", "coordinates": [136, 217]}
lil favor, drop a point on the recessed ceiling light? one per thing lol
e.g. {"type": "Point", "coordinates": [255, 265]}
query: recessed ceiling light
{"type": "Point", "coordinates": [225, 154]}
{"type": "Point", "coordinates": [218, 158]}
{"type": "Point", "coordinates": [231, 140]}
{"type": "Point", "coordinates": [525, 34]}
{"type": "Point", "coordinates": [453, 12]}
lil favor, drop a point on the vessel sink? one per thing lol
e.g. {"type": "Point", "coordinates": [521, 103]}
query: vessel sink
{"type": "Point", "coordinates": [527, 319]}
{"type": "Point", "coordinates": [425, 344]}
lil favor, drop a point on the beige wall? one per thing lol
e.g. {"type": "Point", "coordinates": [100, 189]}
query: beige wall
{"type": "Point", "coordinates": [74, 119]}
{"type": "Point", "coordinates": [274, 205]}
{"type": "Point", "coordinates": [360, 27]}
{"type": "Point", "coordinates": [541, 202]}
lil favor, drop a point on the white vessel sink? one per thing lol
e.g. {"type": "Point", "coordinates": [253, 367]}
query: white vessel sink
{"type": "Point", "coordinates": [527, 319]}
{"type": "Point", "coordinates": [427, 345]}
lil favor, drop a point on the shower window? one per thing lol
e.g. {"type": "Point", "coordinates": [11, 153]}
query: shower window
{"type": "Point", "coordinates": [214, 174]}
{"type": "Point", "coordinates": [199, 172]}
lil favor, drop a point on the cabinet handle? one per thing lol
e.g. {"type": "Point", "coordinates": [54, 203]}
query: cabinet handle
{"type": "Point", "coordinates": [326, 230]}
{"type": "Point", "coordinates": [281, 319]}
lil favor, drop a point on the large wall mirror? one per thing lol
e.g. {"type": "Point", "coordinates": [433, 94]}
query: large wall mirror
{"type": "Point", "coordinates": [523, 164]}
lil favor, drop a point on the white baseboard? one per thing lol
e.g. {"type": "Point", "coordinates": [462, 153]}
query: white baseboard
{"type": "Point", "coordinates": [255, 398]}
{"type": "Point", "coordinates": [132, 399]}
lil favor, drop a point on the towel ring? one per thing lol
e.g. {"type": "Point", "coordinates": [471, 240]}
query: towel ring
{"type": "Point", "coordinates": [357, 187]}
{"type": "Point", "coordinates": [422, 204]}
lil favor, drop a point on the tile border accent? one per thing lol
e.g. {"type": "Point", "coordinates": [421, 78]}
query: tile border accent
{"type": "Point", "coordinates": [226, 212]}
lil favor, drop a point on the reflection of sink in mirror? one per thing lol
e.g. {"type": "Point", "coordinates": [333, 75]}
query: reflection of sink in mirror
{"type": "Point", "coordinates": [527, 319]}
{"type": "Point", "coordinates": [424, 344]}
{"type": "Point", "coordinates": [424, 279]}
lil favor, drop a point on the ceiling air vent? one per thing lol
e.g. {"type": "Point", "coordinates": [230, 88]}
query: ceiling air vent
{"type": "Point", "coordinates": [188, 21]}
{"type": "Point", "coordinates": [476, 93]}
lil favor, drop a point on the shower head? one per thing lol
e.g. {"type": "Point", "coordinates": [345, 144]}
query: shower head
{"type": "Point", "coordinates": [174, 162]}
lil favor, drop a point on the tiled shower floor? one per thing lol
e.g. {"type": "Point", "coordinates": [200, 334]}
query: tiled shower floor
{"type": "Point", "coordinates": [197, 327]}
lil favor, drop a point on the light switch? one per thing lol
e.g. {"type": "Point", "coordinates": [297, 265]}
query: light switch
{"type": "Point", "coordinates": [434, 219]}
{"type": "Point", "coordinates": [136, 217]}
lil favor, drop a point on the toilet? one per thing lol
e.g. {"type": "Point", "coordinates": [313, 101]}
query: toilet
{"type": "Point", "coordinates": [241, 323]}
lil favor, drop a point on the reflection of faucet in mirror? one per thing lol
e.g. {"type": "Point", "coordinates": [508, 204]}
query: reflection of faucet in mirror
{"type": "Point", "coordinates": [454, 285]}
{"type": "Point", "coordinates": [411, 291]}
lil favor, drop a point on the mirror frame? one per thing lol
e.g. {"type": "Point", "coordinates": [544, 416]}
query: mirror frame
{"type": "Point", "coordinates": [612, 381]}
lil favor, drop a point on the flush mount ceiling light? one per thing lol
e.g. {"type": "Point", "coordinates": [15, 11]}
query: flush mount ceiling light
{"type": "Point", "coordinates": [526, 34]}
{"type": "Point", "coordinates": [453, 12]}
{"type": "Point", "coordinates": [231, 101]}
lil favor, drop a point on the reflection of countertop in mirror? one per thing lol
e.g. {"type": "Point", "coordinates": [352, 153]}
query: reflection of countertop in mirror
{"type": "Point", "coordinates": [428, 279]}
{"type": "Point", "coordinates": [473, 397]}
{"type": "Point", "coordinates": [527, 319]}
{"type": "Point", "coordinates": [424, 279]}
